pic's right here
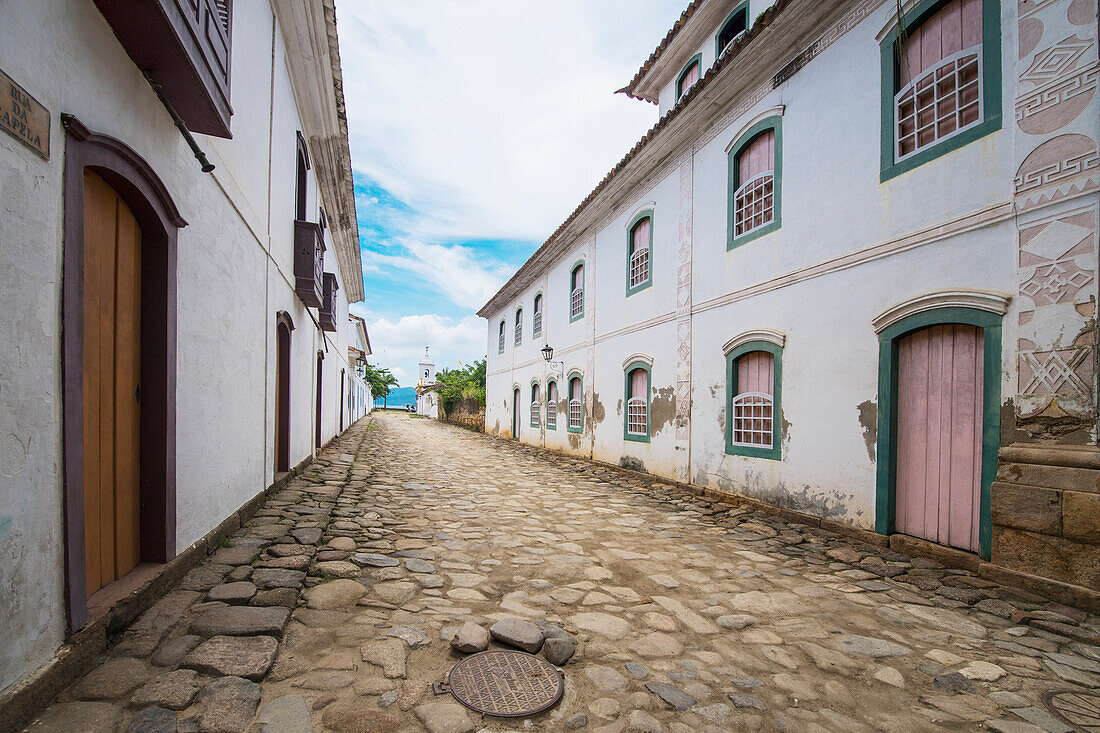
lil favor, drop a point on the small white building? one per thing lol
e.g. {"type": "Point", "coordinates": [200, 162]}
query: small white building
{"type": "Point", "coordinates": [179, 251]}
{"type": "Point", "coordinates": [851, 272]}
{"type": "Point", "coordinates": [427, 398]}
{"type": "Point", "coordinates": [360, 395]}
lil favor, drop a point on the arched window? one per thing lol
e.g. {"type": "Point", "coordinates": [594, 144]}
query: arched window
{"type": "Point", "coordinates": [551, 405]}
{"type": "Point", "coordinates": [519, 326]}
{"type": "Point", "coordinates": [576, 413]}
{"type": "Point", "coordinates": [736, 24]}
{"type": "Point", "coordinates": [500, 338]}
{"type": "Point", "coordinates": [576, 292]}
{"type": "Point", "coordinates": [753, 417]}
{"type": "Point", "coordinates": [637, 403]}
{"type": "Point", "coordinates": [639, 247]}
{"type": "Point", "coordinates": [754, 197]}
{"type": "Point", "coordinates": [938, 88]}
{"type": "Point", "coordinates": [300, 180]}
{"type": "Point", "coordinates": [536, 319]}
{"type": "Point", "coordinates": [689, 75]}
{"type": "Point", "coordinates": [536, 406]}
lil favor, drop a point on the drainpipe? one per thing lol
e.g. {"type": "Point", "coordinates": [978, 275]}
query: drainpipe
{"type": "Point", "coordinates": [207, 166]}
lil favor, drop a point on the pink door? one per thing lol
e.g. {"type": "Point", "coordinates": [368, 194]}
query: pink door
{"type": "Point", "coordinates": [939, 446]}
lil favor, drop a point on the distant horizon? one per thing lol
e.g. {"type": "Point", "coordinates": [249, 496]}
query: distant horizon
{"type": "Point", "coordinates": [398, 397]}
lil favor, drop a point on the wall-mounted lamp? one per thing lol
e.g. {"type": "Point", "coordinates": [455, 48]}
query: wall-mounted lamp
{"type": "Point", "coordinates": [547, 355]}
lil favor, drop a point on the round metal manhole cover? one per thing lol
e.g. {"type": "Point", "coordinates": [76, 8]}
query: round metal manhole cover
{"type": "Point", "coordinates": [1079, 709]}
{"type": "Point", "coordinates": [506, 683]}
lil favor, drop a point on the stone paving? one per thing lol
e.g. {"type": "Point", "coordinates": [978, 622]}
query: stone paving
{"type": "Point", "coordinates": [353, 590]}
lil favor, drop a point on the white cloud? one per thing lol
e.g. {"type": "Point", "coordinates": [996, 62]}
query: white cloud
{"type": "Point", "coordinates": [494, 117]}
{"type": "Point", "coordinates": [459, 273]}
{"type": "Point", "coordinates": [399, 344]}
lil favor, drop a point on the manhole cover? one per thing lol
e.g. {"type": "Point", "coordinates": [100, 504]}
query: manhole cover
{"type": "Point", "coordinates": [1080, 709]}
{"type": "Point", "coordinates": [505, 683]}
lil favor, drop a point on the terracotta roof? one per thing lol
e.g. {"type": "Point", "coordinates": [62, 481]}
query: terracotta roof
{"type": "Point", "coordinates": [664, 44]}
{"type": "Point", "coordinates": [696, 89]}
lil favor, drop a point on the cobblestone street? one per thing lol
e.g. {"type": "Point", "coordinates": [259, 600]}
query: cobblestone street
{"type": "Point", "coordinates": [334, 607]}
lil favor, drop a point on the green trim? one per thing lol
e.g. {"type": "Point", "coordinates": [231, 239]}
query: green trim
{"type": "Point", "coordinates": [553, 381]}
{"type": "Point", "coordinates": [580, 386]}
{"type": "Point", "coordinates": [519, 331]}
{"type": "Point", "coordinates": [775, 452]}
{"type": "Point", "coordinates": [991, 89]}
{"type": "Point", "coordinates": [503, 331]}
{"type": "Point", "coordinates": [626, 396]}
{"type": "Point", "coordinates": [648, 213]}
{"type": "Point", "coordinates": [569, 300]}
{"type": "Point", "coordinates": [886, 465]}
{"type": "Point", "coordinates": [743, 7]}
{"type": "Point", "coordinates": [774, 123]}
{"type": "Point", "coordinates": [534, 310]}
{"type": "Point", "coordinates": [696, 59]}
{"type": "Point", "coordinates": [516, 419]}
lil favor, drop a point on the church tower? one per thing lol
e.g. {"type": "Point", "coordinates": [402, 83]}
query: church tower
{"type": "Point", "coordinates": [427, 369]}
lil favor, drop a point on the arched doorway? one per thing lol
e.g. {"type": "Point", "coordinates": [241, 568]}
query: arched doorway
{"type": "Point", "coordinates": [515, 413]}
{"type": "Point", "coordinates": [343, 396]}
{"type": "Point", "coordinates": [282, 392]}
{"type": "Point", "coordinates": [320, 400]}
{"type": "Point", "coordinates": [939, 422]}
{"type": "Point", "coordinates": [118, 364]}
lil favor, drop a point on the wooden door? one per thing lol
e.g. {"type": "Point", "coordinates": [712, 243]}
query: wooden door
{"type": "Point", "coordinates": [112, 367]}
{"type": "Point", "coordinates": [515, 414]}
{"type": "Point", "coordinates": [939, 453]}
{"type": "Point", "coordinates": [320, 400]}
{"type": "Point", "coordinates": [282, 398]}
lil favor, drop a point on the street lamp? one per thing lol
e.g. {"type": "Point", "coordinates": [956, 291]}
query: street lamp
{"type": "Point", "coordinates": [547, 355]}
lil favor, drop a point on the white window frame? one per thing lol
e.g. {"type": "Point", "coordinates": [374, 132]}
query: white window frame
{"type": "Point", "coordinates": [742, 422]}
{"type": "Point", "coordinates": [639, 265]}
{"type": "Point", "coordinates": [911, 88]}
{"type": "Point", "coordinates": [536, 319]}
{"type": "Point", "coordinates": [637, 416]}
{"type": "Point", "coordinates": [519, 327]}
{"type": "Point", "coordinates": [742, 202]}
{"type": "Point", "coordinates": [552, 407]}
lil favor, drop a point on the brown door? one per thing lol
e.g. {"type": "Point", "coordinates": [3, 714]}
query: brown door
{"type": "Point", "coordinates": [112, 365]}
{"type": "Point", "coordinates": [320, 396]}
{"type": "Point", "coordinates": [282, 399]}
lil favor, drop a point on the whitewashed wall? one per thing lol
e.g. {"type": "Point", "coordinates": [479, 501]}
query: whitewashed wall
{"type": "Point", "coordinates": [234, 273]}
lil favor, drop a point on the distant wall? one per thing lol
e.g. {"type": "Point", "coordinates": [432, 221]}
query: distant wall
{"type": "Point", "coordinates": [467, 412]}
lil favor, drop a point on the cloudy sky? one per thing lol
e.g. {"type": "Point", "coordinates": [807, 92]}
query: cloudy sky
{"type": "Point", "coordinates": [476, 127]}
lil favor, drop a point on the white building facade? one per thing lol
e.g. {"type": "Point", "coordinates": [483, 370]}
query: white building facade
{"type": "Point", "coordinates": [206, 305]}
{"type": "Point", "coordinates": [427, 399]}
{"type": "Point", "coordinates": [851, 272]}
{"type": "Point", "coordinates": [360, 394]}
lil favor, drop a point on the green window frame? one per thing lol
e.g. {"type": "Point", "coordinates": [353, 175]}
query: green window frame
{"type": "Point", "coordinates": [886, 463]}
{"type": "Point", "coordinates": [535, 418]}
{"type": "Point", "coordinates": [696, 59]}
{"type": "Point", "coordinates": [538, 313]}
{"type": "Point", "coordinates": [569, 301]}
{"type": "Point", "coordinates": [519, 326]}
{"type": "Point", "coordinates": [742, 8]}
{"type": "Point", "coordinates": [775, 451]}
{"type": "Point", "coordinates": [634, 366]}
{"type": "Point", "coordinates": [554, 406]}
{"type": "Point", "coordinates": [775, 124]}
{"type": "Point", "coordinates": [502, 335]}
{"type": "Point", "coordinates": [991, 88]}
{"type": "Point", "coordinates": [569, 399]}
{"type": "Point", "coordinates": [634, 223]}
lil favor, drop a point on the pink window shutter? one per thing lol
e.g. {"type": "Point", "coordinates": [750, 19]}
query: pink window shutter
{"type": "Point", "coordinates": [638, 384]}
{"type": "Point", "coordinates": [757, 158]}
{"type": "Point", "coordinates": [754, 373]}
{"type": "Point", "coordinates": [689, 78]}
{"type": "Point", "coordinates": [956, 26]}
{"type": "Point", "coordinates": [578, 277]}
{"type": "Point", "coordinates": [641, 234]}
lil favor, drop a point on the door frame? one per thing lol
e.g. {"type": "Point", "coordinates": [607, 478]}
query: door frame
{"type": "Point", "coordinates": [284, 324]}
{"type": "Point", "coordinates": [517, 395]}
{"type": "Point", "coordinates": [134, 180]}
{"type": "Point", "coordinates": [886, 464]}
{"type": "Point", "coordinates": [320, 401]}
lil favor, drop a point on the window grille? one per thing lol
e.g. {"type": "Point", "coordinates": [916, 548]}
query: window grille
{"type": "Point", "coordinates": [637, 422]}
{"type": "Point", "coordinates": [500, 339]}
{"type": "Point", "coordinates": [752, 419]}
{"type": "Point", "coordinates": [519, 328]}
{"type": "Point", "coordinates": [535, 412]}
{"type": "Point", "coordinates": [575, 414]}
{"type": "Point", "coordinates": [754, 204]}
{"type": "Point", "coordinates": [577, 306]}
{"type": "Point", "coordinates": [639, 266]}
{"type": "Point", "coordinates": [536, 320]}
{"type": "Point", "coordinates": [943, 101]}
{"type": "Point", "coordinates": [552, 405]}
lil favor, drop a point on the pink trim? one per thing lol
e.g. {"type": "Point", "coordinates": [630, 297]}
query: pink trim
{"type": "Point", "coordinates": [758, 158]}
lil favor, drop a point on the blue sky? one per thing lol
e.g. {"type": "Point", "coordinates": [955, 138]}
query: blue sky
{"type": "Point", "coordinates": [476, 126]}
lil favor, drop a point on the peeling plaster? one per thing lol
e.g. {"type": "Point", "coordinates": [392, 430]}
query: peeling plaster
{"type": "Point", "coordinates": [632, 463]}
{"type": "Point", "coordinates": [598, 413]}
{"type": "Point", "coordinates": [662, 409]}
{"type": "Point", "coordinates": [868, 420]}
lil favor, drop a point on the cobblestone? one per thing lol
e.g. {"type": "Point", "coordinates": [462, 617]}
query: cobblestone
{"type": "Point", "coordinates": [679, 613]}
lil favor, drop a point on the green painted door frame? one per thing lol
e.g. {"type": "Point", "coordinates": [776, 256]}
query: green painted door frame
{"type": "Point", "coordinates": [886, 470]}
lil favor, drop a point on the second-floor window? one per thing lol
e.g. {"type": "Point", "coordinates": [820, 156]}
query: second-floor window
{"type": "Point", "coordinates": [754, 199]}
{"type": "Point", "coordinates": [689, 75]}
{"type": "Point", "coordinates": [519, 327]}
{"type": "Point", "coordinates": [939, 77]}
{"type": "Point", "coordinates": [576, 292]}
{"type": "Point", "coordinates": [639, 248]}
{"type": "Point", "coordinates": [500, 339]}
{"type": "Point", "coordinates": [735, 25]}
{"type": "Point", "coordinates": [536, 319]}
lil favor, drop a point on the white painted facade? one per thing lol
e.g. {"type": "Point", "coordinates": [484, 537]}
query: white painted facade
{"type": "Point", "coordinates": [850, 246]}
{"type": "Point", "coordinates": [235, 273]}
{"type": "Point", "coordinates": [360, 395]}
{"type": "Point", "coordinates": [427, 399]}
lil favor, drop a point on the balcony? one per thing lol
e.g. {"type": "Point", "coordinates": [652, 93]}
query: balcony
{"type": "Point", "coordinates": [327, 315]}
{"type": "Point", "coordinates": [309, 262]}
{"type": "Point", "coordinates": [184, 46]}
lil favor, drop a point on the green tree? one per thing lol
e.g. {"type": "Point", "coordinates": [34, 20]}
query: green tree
{"type": "Point", "coordinates": [462, 384]}
{"type": "Point", "coordinates": [381, 381]}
